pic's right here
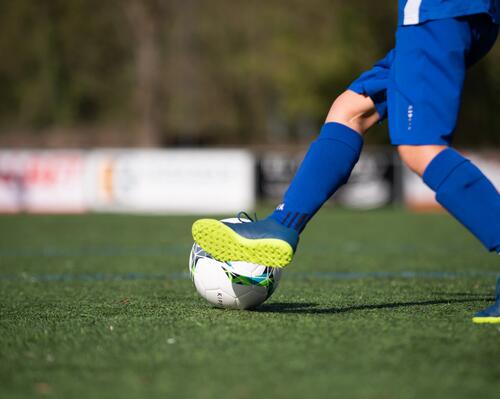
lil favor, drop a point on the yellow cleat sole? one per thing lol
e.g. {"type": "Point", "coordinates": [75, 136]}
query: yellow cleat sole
{"type": "Point", "coordinates": [226, 245]}
{"type": "Point", "coordinates": [486, 320]}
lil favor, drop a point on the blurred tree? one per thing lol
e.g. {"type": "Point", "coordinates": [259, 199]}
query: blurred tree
{"type": "Point", "coordinates": [144, 17]}
{"type": "Point", "coordinates": [62, 63]}
{"type": "Point", "coordinates": [193, 71]}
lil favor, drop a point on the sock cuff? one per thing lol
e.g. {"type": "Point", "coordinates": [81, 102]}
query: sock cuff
{"type": "Point", "coordinates": [344, 134]}
{"type": "Point", "coordinates": [441, 167]}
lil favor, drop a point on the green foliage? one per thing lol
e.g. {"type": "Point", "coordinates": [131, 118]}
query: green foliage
{"type": "Point", "coordinates": [222, 71]}
{"type": "Point", "coordinates": [63, 62]}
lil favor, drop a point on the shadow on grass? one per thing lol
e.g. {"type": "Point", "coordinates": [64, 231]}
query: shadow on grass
{"type": "Point", "coordinates": [311, 308]}
{"type": "Point", "coordinates": [459, 294]}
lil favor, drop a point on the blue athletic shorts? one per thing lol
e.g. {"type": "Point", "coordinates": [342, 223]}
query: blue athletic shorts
{"type": "Point", "coordinates": [418, 85]}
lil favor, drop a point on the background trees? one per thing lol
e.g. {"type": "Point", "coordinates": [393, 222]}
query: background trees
{"type": "Point", "coordinates": [216, 72]}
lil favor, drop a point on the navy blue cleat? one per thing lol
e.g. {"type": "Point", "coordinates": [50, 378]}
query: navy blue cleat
{"type": "Point", "coordinates": [265, 242]}
{"type": "Point", "coordinates": [490, 315]}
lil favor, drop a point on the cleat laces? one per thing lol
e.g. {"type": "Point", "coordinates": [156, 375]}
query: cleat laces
{"type": "Point", "coordinates": [244, 215]}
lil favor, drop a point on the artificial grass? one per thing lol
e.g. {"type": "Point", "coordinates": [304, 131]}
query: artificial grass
{"type": "Point", "coordinates": [99, 306]}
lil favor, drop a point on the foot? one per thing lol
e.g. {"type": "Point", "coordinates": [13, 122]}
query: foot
{"type": "Point", "coordinates": [490, 314]}
{"type": "Point", "coordinates": [265, 242]}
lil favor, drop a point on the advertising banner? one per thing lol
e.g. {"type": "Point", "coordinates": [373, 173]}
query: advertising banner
{"type": "Point", "coordinates": [42, 181]}
{"type": "Point", "coordinates": [371, 184]}
{"type": "Point", "coordinates": [147, 181]}
{"type": "Point", "coordinates": [171, 181]}
{"type": "Point", "coordinates": [195, 181]}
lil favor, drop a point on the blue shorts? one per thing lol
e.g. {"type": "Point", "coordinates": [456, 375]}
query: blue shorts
{"type": "Point", "coordinates": [418, 85]}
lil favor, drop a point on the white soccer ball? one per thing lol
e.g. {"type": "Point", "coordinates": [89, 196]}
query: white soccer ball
{"type": "Point", "coordinates": [231, 285]}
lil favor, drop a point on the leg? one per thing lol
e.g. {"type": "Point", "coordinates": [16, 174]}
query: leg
{"type": "Point", "coordinates": [356, 111]}
{"type": "Point", "coordinates": [460, 188]}
{"type": "Point", "coordinates": [329, 161]}
{"type": "Point", "coordinates": [423, 99]}
{"type": "Point", "coordinates": [418, 157]}
{"type": "Point", "coordinates": [327, 166]}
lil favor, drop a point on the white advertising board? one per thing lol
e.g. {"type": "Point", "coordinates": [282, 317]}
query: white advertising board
{"type": "Point", "coordinates": [150, 181]}
{"type": "Point", "coordinates": [12, 171]}
{"type": "Point", "coordinates": [42, 181]}
{"type": "Point", "coordinates": [171, 181]}
{"type": "Point", "coordinates": [369, 186]}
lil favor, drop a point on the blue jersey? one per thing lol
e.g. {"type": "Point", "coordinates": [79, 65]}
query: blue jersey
{"type": "Point", "coordinates": [412, 12]}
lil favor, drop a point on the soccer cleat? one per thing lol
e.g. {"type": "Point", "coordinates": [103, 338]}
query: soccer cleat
{"type": "Point", "coordinates": [265, 242]}
{"type": "Point", "coordinates": [491, 314]}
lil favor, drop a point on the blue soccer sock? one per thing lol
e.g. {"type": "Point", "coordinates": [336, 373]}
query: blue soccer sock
{"type": "Point", "coordinates": [467, 194]}
{"type": "Point", "coordinates": [326, 166]}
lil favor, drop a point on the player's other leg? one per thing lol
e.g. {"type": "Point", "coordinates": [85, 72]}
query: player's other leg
{"type": "Point", "coordinates": [424, 99]}
{"type": "Point", "coordinates": [460, 187]}
{"type": "Point", "coordinates": [467, 194]}
{"type": "Point", "coordinates": [326, 166]}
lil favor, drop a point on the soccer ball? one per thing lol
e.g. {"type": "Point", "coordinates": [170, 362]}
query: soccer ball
{"type": "Point", "coordinates": [231, 285]}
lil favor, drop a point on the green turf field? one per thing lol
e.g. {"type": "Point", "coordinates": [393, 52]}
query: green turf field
{"type": "Point", "coordinates": [375, 305]}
